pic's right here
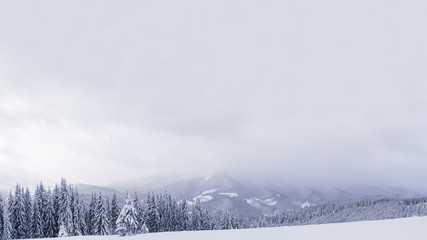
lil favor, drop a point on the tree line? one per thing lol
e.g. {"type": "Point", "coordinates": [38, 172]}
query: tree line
{"type": "Point", "coordinates": [61, 212]}
{"type": "Point", "coordinates": [362, 210]}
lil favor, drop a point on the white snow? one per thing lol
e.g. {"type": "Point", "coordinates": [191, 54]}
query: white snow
{"type": "Point", "coordinates": [269, 201]}
{"type": "Point", "coordinates": [205, 198]}
{"type": "Point", "coordinates": [255, 202]}
{"type": "Point", "coordinates": [209, 191]}
{"type": "Point", "coordinates": [229, 194]}
{"type": "Point", "coordinates": [305, 204]}
{"type": "Point", "coordinates": [397, 229]}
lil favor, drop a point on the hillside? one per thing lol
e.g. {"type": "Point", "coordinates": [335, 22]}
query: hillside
{"type": "Point", "coordinates": [397, 229]}
{"type": "Point", "coordinates": [222, 191]}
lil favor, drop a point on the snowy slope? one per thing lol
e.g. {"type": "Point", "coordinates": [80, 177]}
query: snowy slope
{"type": "Point", "coordinates": [406, 228]}
{"type": "Point", "coordinates": [221, 191]}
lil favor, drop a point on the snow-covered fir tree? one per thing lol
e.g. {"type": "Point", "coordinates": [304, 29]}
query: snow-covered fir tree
{"type": "Point", "coordinates": [114, 213]}
{"type": "Point", "coordinates": [139, 210]}
{"type": "Point", "coordinates": [49, 219]}
{"type": "Point", "coordinates": [100, 223]}
{"type": "Point", "coordinates": [183, 217]}
{"type": "Point", "coordinates": [78, 212]}
{"type": "Point", "coordinates": [152, 217]}
{"type": "Point", "coordinates": [127, 221]}
{"type": "Point", "coordinates": [107, 207]}
{"type": "Point", "coordinates": [39, 207]}
{"type": "Point", "coordinates": [5, 228]}
{"type": "Point", "coordinates": [196, 216]}
{"type": "Point", "coordinates": [90, 215]}
{"type": "Point", "coordinates": [27, 213]}
{"type": "Point", "coordinates": [65, 215]}
{"type": "Point", "coordinates": [17, 215]}
{"type": "Point", "coordinates": [56, 207]}
{"type": "Point", "coordinates": [2, 216]}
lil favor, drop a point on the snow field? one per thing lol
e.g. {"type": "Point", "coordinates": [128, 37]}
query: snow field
{"type": "Point", "coordinates": [414, 228]}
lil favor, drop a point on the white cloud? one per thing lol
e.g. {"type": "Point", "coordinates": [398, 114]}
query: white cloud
{"type": "Point", "coordinates": [314, 91]}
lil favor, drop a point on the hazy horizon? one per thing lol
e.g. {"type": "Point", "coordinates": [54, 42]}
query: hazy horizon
{"type": "Point", "coordinates": [313, 92]}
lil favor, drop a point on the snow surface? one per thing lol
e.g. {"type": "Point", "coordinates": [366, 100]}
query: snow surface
{"type": "Point", "coordinates": [209, 191]}
{"type": "Point", "coordinates": [254, 202]}
{"type": "Point", "coordinates": [305, 204]}
{"type": "Point", "coordinates": [229, 194]}
{"type": "Point", "coordinates": [414, 228]}
{"type": "Point", "coordinates": [269, 202]}
{"type": "Point", "coordinates": [203, 198]}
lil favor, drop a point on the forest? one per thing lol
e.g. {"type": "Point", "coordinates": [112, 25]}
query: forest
{"type": "Point", "coordinates": [61, 212]}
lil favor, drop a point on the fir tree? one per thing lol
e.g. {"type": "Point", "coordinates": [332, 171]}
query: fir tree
{"type": "Point", "coordinates": [183, 216]}
{"type": "Point", "coordinates": [90, 215]}
{"type": "Point", "coordinates": [115, 211]}
{"type": "Point", "coordinates": [127, 221]}
{"type": "Point", "coordinates": [101, 224]}
{"type": "Point", "coordinates": [27, 213]}
{"type": "Point", "coordinates": [5, 228]}
{"type": "Point", "coordinates": [65, 214]}
{"type": "Point", "coordinates": [17, 215]}
{"type": "Point", "coordinates": [139, 211]}
{"type": "Point", "coordinates": [107, 207]}
{"type": "Point", "coordinates": [10, 204]}
{"type": "Point", "coordinates": [226, 220]}
{"type": "Point", "coordinates": [56, 209]}
{"type": "Point", "coordinates": [49, 224]}
{"type": "Point", "coordinates": [152, 217]}
{"type": "Point", "coordinates": [2, 214]}
{"type": "Point", "coordinates": [196, 216]}
{"type": "Point", "coordinates": [78, 211]}
{"type": "Point", "coordinates": [36, 225]}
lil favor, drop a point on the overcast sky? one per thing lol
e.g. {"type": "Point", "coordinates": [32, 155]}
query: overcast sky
{"type": "Point", "coordinates": [306, 91]}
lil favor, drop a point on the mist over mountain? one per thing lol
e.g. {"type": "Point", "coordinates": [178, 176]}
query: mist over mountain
{"type": "Point", "coordinates": [221, 191]}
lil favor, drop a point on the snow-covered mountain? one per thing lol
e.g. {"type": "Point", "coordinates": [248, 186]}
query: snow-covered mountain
{"type": "Point", "coordinates": [220, 191]}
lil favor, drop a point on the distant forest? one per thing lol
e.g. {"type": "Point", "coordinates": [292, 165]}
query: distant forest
{"type": "Point", "coordinates": [61, 212]}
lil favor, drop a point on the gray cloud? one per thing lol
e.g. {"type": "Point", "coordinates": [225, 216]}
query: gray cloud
{"type": "Point", "coordinates": [303, 91]}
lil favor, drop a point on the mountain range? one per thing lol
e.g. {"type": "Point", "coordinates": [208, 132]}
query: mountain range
{"type": "Point", "coordinates": [220, 191]}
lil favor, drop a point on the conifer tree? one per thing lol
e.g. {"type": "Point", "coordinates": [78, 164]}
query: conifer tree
{"type": "Point", "coordinates": [126, 222]}
{"type": "Point", "coordinates": [107, 207]}
{"type": "Point", "coordinates": [5, 228]}
{"type": "Point", "coordinates": [36, 223]}
{"type": "Point", "coordinates": [115, 211]}
{"type": "Point", "coordinates": [90, 215]}
{"type": "Point", "coordinates": [183, 216]}
{"type": "Point", "coordinates": [196, 216]}
{"type": "Point", "coordinates": [10, 203]}
{"type": "Point", "coordinates": [49, 224]}
{"type": "Point", "coordinates": [101, 224]}
{"type": "Point", "coordinates": [152, 218]}
{"type": "Point", "coordinates": [27, 213]}
{"type": "Point", "coordinates": [65, 214]}
{"type": "Point", "coordinates": [78, 211]}
{"type": "Point", "coordinates": [226, 220]}
{"type": "Point", "coordinates": [17, 215]}
{"type": "Point", "coordinates": [56, 209]}
{"type": "Point", "coordinates": [139, 210]}
{"type": "Point", "coordinates": [2, 213]}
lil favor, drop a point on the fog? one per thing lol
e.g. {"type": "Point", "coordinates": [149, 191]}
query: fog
{"type": "Point", "coordinates": [297, 91]}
